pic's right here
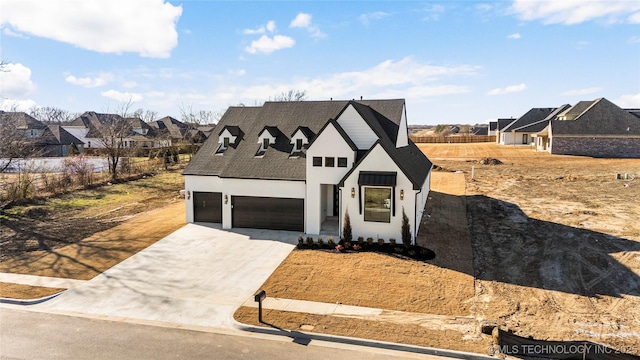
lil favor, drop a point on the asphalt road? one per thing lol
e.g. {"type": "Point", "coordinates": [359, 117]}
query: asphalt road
{"type": "Point", "coordinates": [26, 334]}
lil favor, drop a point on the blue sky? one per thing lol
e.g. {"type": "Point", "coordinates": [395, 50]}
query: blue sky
{"type": "Point", "coordinates": [453, 61]}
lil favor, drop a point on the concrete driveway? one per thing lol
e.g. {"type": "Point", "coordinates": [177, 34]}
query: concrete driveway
{"type": "Point", "coordinates": [198, 275]}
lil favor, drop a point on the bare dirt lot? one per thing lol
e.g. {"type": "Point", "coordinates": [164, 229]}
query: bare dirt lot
{"type": "Point", "coordinates": [552, 251]}
{"type": "Point", "coordinates": [81, 234]}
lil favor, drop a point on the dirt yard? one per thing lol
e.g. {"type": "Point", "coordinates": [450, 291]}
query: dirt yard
{"type": "Point", "coordinates": [552, 251]}
{"type": "Point", "coordinates": [82, 234]}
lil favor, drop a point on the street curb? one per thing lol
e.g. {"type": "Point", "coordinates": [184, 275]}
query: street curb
{"type": "Point", "coordinates": [300, 335]}
{"type": "Point", "coordinates": [28, 301]}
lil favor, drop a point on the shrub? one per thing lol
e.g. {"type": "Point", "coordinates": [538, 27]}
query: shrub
{"type": "Point", "coordinates": [360, 240]}
{"type": "Point", "coordinates": [392, 241]}
{"type": "Point", "coordinates": [380, 242]}
{"type": "Point", "coordinates": [320, 241]}
{"type": "Point", "coordinates": [309, 240]}
{"type": "Point", "coordinates": [369, 240]}
{"type": "Point", "coordinates": [300, 240]}
{"type": "Point", "coordinates": [340, 248]}
{"type": "Point", "coordinates": [357, 247]}
{"type": "Point", "coordinates": [330, 241]}
{"type": "Point", "coordinates": [406, 230]}
{"type": "Point", "coordinates": [346, 228]}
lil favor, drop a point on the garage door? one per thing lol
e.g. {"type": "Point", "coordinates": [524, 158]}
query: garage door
{"type": "Point", "coordinates": [268, 213]}
{"type": "Point", "coordinates": [207, 207]}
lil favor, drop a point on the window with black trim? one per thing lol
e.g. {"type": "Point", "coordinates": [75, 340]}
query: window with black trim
{"type": "Point", "coordinates": [342, 162]}
{"type": "Point", "coordinates": [329, 162]}
{"type": "Point", "coordinates": [298, 144]}
{"type": "Point", "coordinates": [225, 142]}
{"type": "Point", "coordinates": [265, 144]}
{"type": "Point", "coordinates": [377, 204]}
{"type": "Point", "coordinates": [317, 161]}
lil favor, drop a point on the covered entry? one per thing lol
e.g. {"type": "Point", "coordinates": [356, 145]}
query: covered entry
{"type": "Point", "coordinates": [207, 207]}
{"type": "Point", "coordinates": [267, 213]}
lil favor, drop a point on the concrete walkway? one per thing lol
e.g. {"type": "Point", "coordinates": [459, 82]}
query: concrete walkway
{"type": "Point", "coordinates": [44, 281]}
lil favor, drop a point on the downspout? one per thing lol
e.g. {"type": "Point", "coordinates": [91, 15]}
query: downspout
{"type": "Point", "coordinates": [339, 213]}
{"type": "Point", "coordinates": [415, 225]}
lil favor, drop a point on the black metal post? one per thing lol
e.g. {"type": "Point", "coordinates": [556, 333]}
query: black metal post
{"type": "Point", "coordinates": [258, 298]}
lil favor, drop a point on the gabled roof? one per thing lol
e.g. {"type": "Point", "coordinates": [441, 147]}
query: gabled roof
{"type": "Point", "coordinates": [530, 117]}
{"type": "Point", "coordinates": [502, 123]}
{"type": "Point", "coordinates": [541, 124]}
{"type": "Point", "coordinates": [493, 125]}
{"type": "Point", "coordinates": [22, 120]}
{"type": "Point", "coordinates": [602, 117]}
{"type": "Point", "coordinates": [481, 131]}
{"type": "Point", "coordinates": [232, 129]}
{"type": "Point", "coordinates": [577, 109]}
{"type": "Point", "coordinates": [176, 129]}
{"type": "Point", "coordinates": [305, 131]}
{"type": "Point", "coordinates": [287, 117]}
{"type": "Point", "coordinates": [63, 136]}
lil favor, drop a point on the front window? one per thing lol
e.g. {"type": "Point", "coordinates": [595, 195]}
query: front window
{"type": "Point", "coordinates": [377, 204]}
{"type": "Point", "coordinates": [265, 144]}
{"type": "Point", "coordinates": [342, 162]}
{"type": "Point", "coordinates": [298, 144]}
{"type": "Point", "coordinates": [225, 142]}
{"type": "Point", "coordinates": [317, 161]}
{"type": "Point", "coordinates": [328, 161]}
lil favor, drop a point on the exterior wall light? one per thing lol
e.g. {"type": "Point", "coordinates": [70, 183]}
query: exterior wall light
{"type": "Point", "coordinates": [401, 194]}
{"type": "Point", "coordinates": [353, 192]}
{"type": "Point", "coordinates": [226, 199]}
{"type": "Point", "coordinates": [188, 194]}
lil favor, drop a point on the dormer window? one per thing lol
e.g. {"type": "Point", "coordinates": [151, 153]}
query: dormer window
{"type": "Point", "coordinates": [267, 137]}
{"type": "Point", "coordinates": [265, 144]}
{"type": "Point", "coordinates": [301, 137]}
{"type": "Point", "coordinates": [298, 146]}
{"type": "Point", "coordinates": [230, 136]}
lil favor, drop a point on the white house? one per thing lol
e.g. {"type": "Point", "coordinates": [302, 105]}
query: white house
{"type": "Point", "coordinates": [303, 165]}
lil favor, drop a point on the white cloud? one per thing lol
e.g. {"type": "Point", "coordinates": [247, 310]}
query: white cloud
{"type": "Point", "coordinates": [267, 45]}
{"type": "Point", "coordinates": [88, 82]}
{"type": "Point", "coordinates": [270, 27]}
{"type": "Point", "coordinates": [303, 20]}
{"type": "Point", "coordinates": [571, 12]}
{"type": "Point", "coordinates": [405, 78]}
{"type": "Point", "coordinates": [634, 18]}
{"type": "Point", "coordinates": [433, 12]}
{"type": "Point", "coordinates": [581, 92]}
{"type": "Point", "coordinates": [508, 90]}
{"type": "Point", "coordinates": [147, 27]}
{"type": "Point", "coordinates": [239, 72]}
{"type": "Point", "coordinates": [15, 81]}
{"type": "Point", "coordinates": [628, 101]}
{"type": "Point", "coordinates": [129, 84]}
{"type": "Point", "coordinates": [122, 96]}
{"type": "Point", "coordinates": [17, 105]}
{"type": "Point", "coordinates": [11, 33]}
{"type": "Point", "coordinates": [373, 16]}
{"type": "Point", "coordinates": [514, 36]}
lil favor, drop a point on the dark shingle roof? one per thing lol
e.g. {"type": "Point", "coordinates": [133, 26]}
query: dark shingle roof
{"type": "Point", "coordinates": [22, 120]}
{"type": "Point", "coordinates": [531, 116]}
{"type": "Point", "coordinates": [493, 125]}
{"type": "Point", "coordinates": [481, 131]}
{"type": "Point", "coordinates": [602, 117]}
{"type": "Point", "coordinates": [502, 123]}
{"type": "Point", "coordinates": [541, 124]}
{"type": "Point", "coordinates": [63, 136]}
{"type": "Point", "coordinates": [577, 109]}
{"type": "Point", "coordinates": [240, 162]}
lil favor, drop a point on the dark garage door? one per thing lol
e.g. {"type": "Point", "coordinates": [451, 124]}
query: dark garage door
{"type": "Point", "coordinates": [207, 207]}
{"type": "Point", "coordinates": [268, 213]}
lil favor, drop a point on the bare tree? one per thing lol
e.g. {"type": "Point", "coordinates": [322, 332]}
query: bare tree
{"type": "Point", "coordinates": [194, 118]}
{"type": "Point", "coordinates": [52, 115]}
{"type": "Point", "coordinates": [291, 95]}
{"type": "Point", "coordinates": [114, 130]}
{"type": "Point", "coordinates": [145, 115]}
{"type": "Point", "coordinates": [14, 143]}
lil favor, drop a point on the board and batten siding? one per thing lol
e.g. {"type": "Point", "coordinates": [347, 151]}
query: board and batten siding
{"type": "Point", "coordinates": [329, 143]}
{"type": "Point", "coordinates": [356, 128]}
{"type": "Point", "coordinates": [240, 187]}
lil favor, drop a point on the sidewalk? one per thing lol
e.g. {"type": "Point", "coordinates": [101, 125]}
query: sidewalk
{"type": "Point", "coordinates": [43, 281]}
{"type": "Point", "coordinates": [431, 321]}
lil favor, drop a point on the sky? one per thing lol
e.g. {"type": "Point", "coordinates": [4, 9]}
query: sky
{"type": "Point", "coordinates": [463, 62]}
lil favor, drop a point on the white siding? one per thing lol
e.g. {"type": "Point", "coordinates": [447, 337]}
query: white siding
{"type": "Point", "coordinates": [357, 129]}
{"type": "Point", "coordinates": [329, 143]}
{"type": "Point", "coordinates": [226, 134]}
{"type": "Point", "coordinates": [403, 136]}
{"type": "Point", "coordinates": [379, 160]}
{"type": "Point", "coordinates": [240, 187]}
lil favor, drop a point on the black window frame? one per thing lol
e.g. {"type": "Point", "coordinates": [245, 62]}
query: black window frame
{"type": "Point", "coordinates": [368, 213]}
{"type": "Point", "coordinates": [317, 161]}
{"type": "Point", "coordinates": [329, 161]}
{"type": "Point", "coordinates": [265, 143]}
{"type": "Point", "coordinates": [225, 142]}
{"type": "Point", "coordinates": [342, 162]}
{"type": "Point", "coordinates": [298, 144]}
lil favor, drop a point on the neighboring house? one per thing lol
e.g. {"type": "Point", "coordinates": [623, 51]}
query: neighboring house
{"type": "Point", "coordinates": [528, 133]}
{"type": "Point", "coordinates": [171, 128]}
{"type": "Point", "coordinates": [510, 136]}
{"type": "Point", "coordinates": [90, 126]}
{"type": "Point", "coordinates": [493, 125]}
{"type": "Point", "coordinates": [597, 128]}
{"type": "Point", "coordinates": [501, 124]}
{"type": "Point", "coordinates": [303, 165]}
{"type": "Point", "coordinates": [44, 140]}
{"type": "Point", "coordinates": [481, 131]}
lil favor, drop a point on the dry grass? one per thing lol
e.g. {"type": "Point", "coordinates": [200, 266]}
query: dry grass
{"type": "Point", "coordinates": [24, 292]}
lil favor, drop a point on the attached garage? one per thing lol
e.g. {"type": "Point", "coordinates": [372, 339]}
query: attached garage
{"type": "Point", "coordinates": [207, 207]}
{"type": "Point", "coordinates": [267, 213]}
